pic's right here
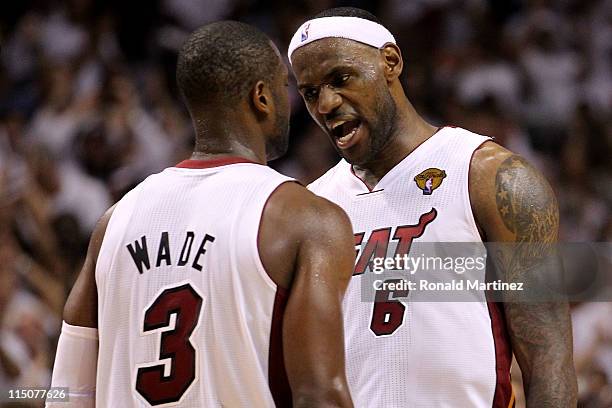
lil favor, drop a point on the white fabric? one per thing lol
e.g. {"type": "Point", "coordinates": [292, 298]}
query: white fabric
{"type": "Point", "coordinates": [443, 354]}
{"type": "Point", "coordinates": [75, 365]}
{"type": "Point", "coordinates": [352, 28]}
{"type": "Point", "coordinates": [232, 332]}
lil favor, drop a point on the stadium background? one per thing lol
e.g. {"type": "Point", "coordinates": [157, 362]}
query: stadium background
{"type": "Point", "coordinates": [88, 108]}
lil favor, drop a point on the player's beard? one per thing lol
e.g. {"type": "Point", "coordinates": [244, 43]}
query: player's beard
{"type": "Point", "coordinates": [381, 127]}
{"type": "Point", "coordinates": [278, 143]}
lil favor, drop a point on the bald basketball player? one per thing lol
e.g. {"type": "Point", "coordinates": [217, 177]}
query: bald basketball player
{"type": "Point", "coordinates": [217, 282]}
{"type": "Point", "coordinates": [402, 180]}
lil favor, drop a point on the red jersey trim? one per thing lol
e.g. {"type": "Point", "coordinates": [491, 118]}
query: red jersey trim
{"type": "Point", "coordinates": [206, 164]}
{"type": "Point", "coordinates": [504, 394]}
{"type": "Point", "coordinates": [470, 209]}
{"type": "Point", "coordinates": [277, 374]}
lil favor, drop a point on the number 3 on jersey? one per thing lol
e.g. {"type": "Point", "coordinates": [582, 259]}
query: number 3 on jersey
{"type": "Point", "coordinates": [151, 383]}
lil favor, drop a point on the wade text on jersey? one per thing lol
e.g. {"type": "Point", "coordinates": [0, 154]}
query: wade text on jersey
{"type": "Point", "coordinates": [139, 251]}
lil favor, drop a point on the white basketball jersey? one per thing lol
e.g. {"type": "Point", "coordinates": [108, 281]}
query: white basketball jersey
{"type": "Point", "coordinates": [187, 315]}
{"type": "Point", "coordinates": [418, 354]}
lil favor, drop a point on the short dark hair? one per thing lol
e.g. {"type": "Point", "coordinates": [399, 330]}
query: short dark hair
{"type": "Point", "coordinates": [220, 62]}
{"type": "Point", "coordinates": [348, 12]}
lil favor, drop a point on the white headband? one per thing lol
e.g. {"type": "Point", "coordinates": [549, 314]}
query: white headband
{"type": "Point", "coordinates": [352, 28]}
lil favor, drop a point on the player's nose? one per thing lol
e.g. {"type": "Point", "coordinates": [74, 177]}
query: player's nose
{"type": "Point", "coordinates": [329, 101]}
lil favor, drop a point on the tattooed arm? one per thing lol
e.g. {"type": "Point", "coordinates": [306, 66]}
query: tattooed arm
{"type": "Point", "coordinates": [513, 203]}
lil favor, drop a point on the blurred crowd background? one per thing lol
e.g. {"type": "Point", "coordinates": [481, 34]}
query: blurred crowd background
{"type": "Point", "coordinates": [89, 108]}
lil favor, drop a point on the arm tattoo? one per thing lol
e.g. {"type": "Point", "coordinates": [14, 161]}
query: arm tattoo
{"type": "Point", "coordinates": [526, 208]}
{"type": "Point", "coordinates": [540, 331]}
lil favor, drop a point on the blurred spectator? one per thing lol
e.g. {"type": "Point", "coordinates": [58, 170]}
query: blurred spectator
{"type": "Point", "coordinates": [487, 74]}
{"type": "Point", "coordinates": [54, 124]}
{"type": "Point", "coordinates": [552, 70]}
{"type": "Point", "coordinates": [593, 353]}
{"type": "Point", "coordinates": [584, 200]}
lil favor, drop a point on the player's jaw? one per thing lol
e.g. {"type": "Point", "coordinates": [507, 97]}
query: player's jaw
{"type": "Point", "coordinates": [362, 122]}
{"type": "Point", "coordinates": [360, 137]}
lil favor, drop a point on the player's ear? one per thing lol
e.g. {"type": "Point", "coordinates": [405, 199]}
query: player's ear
{"type": "Point", "coordinates": [392, 60]}
{"type": "Point", "coordinates": [261, 98]}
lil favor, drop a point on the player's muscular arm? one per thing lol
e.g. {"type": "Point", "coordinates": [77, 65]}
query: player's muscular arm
{"type": "Point", "coordinates": [309, 250]}
{"type": "Point", "coordinates": [77, 350]}
{"type": "Point", "coordinates": [513, 203]}
{"type": "Point", "coordinates": [81, 308]}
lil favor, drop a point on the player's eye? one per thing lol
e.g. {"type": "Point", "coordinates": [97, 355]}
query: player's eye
{"type": "Point", "coordinates": [340, 80]}
{"type": "Point", "coordinates": [310, 94]}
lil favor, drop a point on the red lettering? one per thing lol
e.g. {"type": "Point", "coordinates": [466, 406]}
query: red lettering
{"type": "Point", "coordinates": [406, 233]}
{"type": "Point", "coordinates": [376, 247]}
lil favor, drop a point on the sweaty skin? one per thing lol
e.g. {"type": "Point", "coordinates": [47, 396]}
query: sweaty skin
{"type": "Point", "coordinates": [351, 80]}
{"type": "Point", "coordinates": [510, 200]}
{"type": "Point", "coordinates": [305, 245]}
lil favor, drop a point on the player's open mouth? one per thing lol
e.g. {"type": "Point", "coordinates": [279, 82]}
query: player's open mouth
{"type": "Point", "coordinates": [346, 132]}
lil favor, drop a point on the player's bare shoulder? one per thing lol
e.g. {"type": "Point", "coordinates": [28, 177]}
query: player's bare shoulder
{"type": "Point", "coordinates": [294, 216]}
{"type": "Point", "coordinates": [510, 197]}
{"type": "Point", "coordinates": [296, 210]}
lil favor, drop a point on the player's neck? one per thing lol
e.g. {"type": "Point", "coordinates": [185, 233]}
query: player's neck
{"type": "Point", "coordinates": [207, 151]}
{"type": "Point", "coordinates": [410, 131]}
{"type": "Point", "coordinates": [219, 138]}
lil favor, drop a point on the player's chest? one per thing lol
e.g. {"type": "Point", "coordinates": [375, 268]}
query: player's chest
{"type": "Point", "coordinates": [401, 207]}
{"type": "Point", "coordinates": [391, 220]}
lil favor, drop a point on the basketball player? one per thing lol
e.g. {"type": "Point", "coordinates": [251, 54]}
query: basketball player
{"type": "Point", "coordinates": [218, 282]}
{"type": "Point", "coordinates": [401, 179]}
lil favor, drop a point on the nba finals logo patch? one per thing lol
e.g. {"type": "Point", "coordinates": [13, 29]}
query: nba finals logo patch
{"type": "Point", "coordinates": [429, 180]}
{"type": "Point", "coordinates": [305, 32]}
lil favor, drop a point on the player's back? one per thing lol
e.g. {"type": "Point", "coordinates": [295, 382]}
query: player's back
{"type": "Point", "coordinates": [186, 311]}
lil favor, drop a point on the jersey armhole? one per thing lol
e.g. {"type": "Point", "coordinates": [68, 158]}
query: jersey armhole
{"type": "Point", "coordinates": [255, 245]}
{"type": "Point", "coordinates": [468, 205]}
{"type": "Point", "coordinates": [107, 253]}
